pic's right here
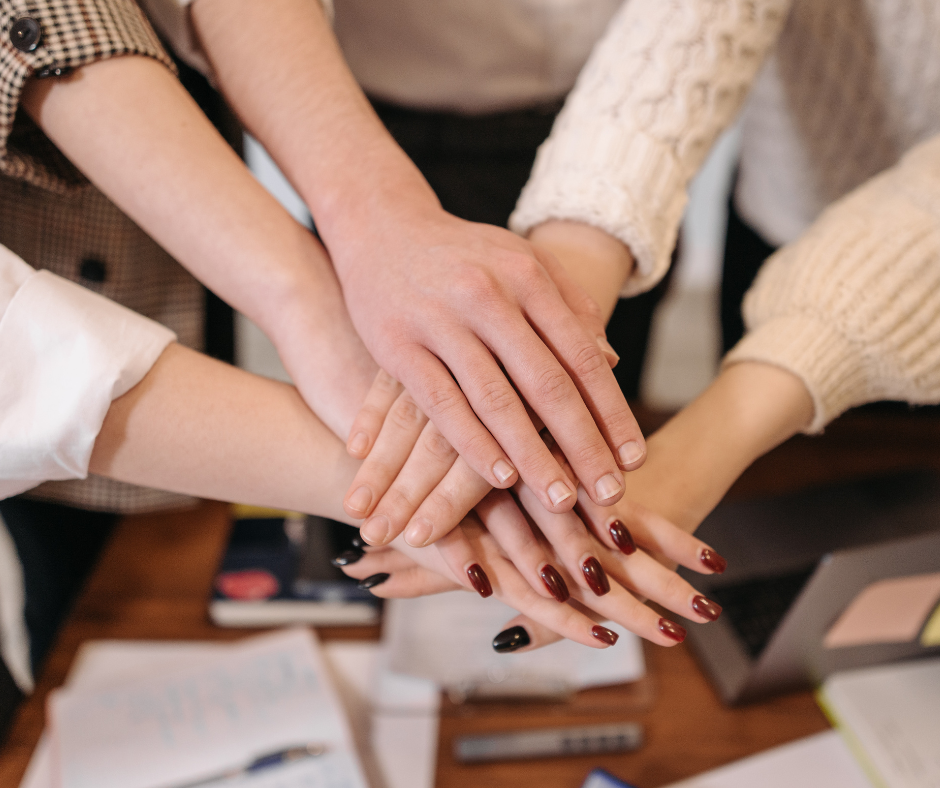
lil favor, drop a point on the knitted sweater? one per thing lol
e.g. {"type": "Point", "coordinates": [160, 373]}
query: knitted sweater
{"type": "Point", "coordinates": [848, 87]}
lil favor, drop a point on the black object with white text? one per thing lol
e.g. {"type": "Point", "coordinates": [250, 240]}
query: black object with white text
{"type": "Point", "coordinates": [549, 742]}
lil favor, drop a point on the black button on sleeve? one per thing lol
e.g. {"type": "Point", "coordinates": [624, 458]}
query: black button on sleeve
{"type": "Point", "coordinates": [25, 34]}
{"type": "Point", "coordinates": [93, 270]}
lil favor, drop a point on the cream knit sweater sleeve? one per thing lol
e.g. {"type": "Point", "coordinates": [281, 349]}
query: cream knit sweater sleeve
{"type": "Point", "coordinates": [667, 77]}
{"type": "Point", "coordinates": [853, 306]}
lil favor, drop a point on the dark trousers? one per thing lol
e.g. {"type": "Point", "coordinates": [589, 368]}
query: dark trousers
{"type": "Point", "coordinates": [477, 165]}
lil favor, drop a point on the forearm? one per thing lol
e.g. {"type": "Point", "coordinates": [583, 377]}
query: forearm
{"type": "Point", "coordinates": [292, 89]}
{"type": "Point", "coordinates": [129, 125]}
{"type": "Point", "coordinates": [198, 426]}
{"type": "Point", "coordinates": [696, 456]}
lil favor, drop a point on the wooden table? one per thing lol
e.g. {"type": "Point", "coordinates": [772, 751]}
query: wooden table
{"type": "Point", "coordinates": [154, 579]}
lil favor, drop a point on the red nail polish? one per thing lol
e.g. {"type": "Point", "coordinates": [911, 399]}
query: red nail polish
{"type": "Point", "coordinates": [671, 630]}
{"type": "Point", "coordinates": [713, 561]}
{"type": "Point", "coordinates": [555, 583]}
{"type": "Point", "coordinates": [479, 581]}
{"type": "Point", "coordinates": [605, 635]}
{"type": "Point", "coordinates": [596, 576]}
{"type": "Point", "coordinates": [706, 608]}
{"type": "Point", "coordinates": [622, 537]}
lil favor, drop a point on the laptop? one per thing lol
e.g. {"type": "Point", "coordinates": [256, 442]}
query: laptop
{"type": "Point", "coordinates": [819, 581]}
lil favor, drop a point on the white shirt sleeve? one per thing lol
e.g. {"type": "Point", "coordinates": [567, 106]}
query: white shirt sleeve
{"type": "Point", "coordinates": [65, 354]}
{"type": "Point", "coordinates": [173, 22]}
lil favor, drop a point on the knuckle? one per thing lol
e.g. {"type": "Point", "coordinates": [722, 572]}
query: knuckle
{"type": "Point", "coordinates": [438, 446]}
{"type": "Point", "coordinates": [496, 397]}
{"type": "Point", "coordinates": [587, 361]}
{"type": "Point", "coordinates": [443, 400]}
{"type": "Point", "coordinates": [406, 414]}
{"type": "Point", "coordinates": [674, 587]}
{"type": "Point", "coordinates": [475, 285]}
{"type": "Point", "coordinates": [553, 385]}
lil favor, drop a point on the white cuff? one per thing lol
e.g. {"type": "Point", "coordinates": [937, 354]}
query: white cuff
{"type": "Point", "coordinates": [66, 353]}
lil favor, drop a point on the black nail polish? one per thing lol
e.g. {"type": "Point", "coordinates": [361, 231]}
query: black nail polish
{"type": "Point", "coordinates": [347, 557]}
{"type": "Point", "coordinates": [358, 542]}
{"type": "Point", "coordinates": [511, 639]}
{"type": "Point", "coordinates": [374, 580]}
{"type": "Point", "coordinates": [622, 537]}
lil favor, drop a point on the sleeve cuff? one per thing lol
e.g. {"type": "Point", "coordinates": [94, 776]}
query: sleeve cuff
{"type": "Point", "coordinates": [594, 173]}
{"type": "Point", "coordinates": [67, 353]}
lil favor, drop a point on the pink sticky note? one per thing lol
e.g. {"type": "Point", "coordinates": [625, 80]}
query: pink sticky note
{"type": "Point", "coordinates": [887, 611]}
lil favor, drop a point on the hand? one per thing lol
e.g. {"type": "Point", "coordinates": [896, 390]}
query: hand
{"type": "Point", "coordinates": [416, 572]}
{"type": "Point", "coordinates": [455, 298]}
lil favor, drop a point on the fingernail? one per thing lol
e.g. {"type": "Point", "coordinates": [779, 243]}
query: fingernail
{"type": "Point", "coordinates": [373, 580]}
{"type": "Point", "coordinates": [630, 453]}
{"type": "Point", "coordinates": [555, 583]}
{"type": "Point", "coordinates": [376, 529]}
{"type": "Point", "coordinates": [479, 581]}
{"type": "Point", "coordinates": [622, 537]}
{"type": "Point", "coordinates": [358, 542]}
{"type": "Point", "coordinates": [358, 443]}
{"type": "Point", "coordinates": [360, 499]}
{"type": "Point", "coordinates": [605, 635]}
{"type": "Point", "coordinates": [608, 486]}
{"type": "Point", "coordinates": [558, 493]}
{"type": "Point", "coordinates": [607, 348]}
{"type": "Point", "coordinates": [671, 630]}
{"type": "Point", "coordinates": [511, 639]}
{"type": "Point", "coordinates": [419, 532]}
{"type": "Point", "coordinates": [713, 561]}
{"type": "Point", "coordinates": [503, 471]}
{"type": "Point", "coordinates": [347, 557]}
{"type": "Point", "coordinates": [706, 608]}
{"type": "Point", "coordinates": [596, 576]}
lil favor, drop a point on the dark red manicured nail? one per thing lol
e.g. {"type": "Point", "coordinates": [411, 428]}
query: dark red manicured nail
{"type": "Point", "coordinates": [555, 583]}
{"type": "Point", "coordinates": [479, 581]}
{"type": "Point", "coordinates": [595, 575]}
{"type": "Point", "coordinates": [671, 630]}
{"type": "Point", "coordinates": [622, 537]}
{"type": "Point", "coordinates": [713, 561]}
{"type": "Point", "coordinates": [604, 635]}
{"type": "Point", "coordinates": [706, 608]}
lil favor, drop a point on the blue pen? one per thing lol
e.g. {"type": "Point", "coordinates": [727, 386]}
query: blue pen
{"type": "Point", "coordinates": [260, 763]}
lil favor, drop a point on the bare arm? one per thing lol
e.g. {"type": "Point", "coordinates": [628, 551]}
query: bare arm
{"type": "Point", "coordinates": [129, 125]}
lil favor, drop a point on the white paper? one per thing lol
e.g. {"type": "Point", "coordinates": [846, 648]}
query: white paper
{"type": "Point", "coordinates": [893, 713]}
{"type": "Point", "coordinates": [447, 638]}
{"type": "Point", "coordinates": [225, 705]}
{"type": "Point", "coordinates": [820, 761]}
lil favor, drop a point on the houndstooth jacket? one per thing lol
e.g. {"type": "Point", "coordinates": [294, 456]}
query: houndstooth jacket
{"type": "Point", "coordinates": [54, 219]}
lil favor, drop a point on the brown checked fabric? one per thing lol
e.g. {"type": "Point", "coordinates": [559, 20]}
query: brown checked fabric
{"type": "Point", "coordinates": [54, 219]}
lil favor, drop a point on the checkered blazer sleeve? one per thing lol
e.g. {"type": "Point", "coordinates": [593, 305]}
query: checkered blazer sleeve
{"type": "Point", "coordinates": [62, 35]}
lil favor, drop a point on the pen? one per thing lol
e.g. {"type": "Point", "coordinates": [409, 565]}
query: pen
{"type": "Point", "coordinates": [260, 763]}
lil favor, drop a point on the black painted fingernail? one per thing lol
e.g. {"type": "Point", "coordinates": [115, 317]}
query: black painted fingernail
{"type": "Point", "coordinates": [374, 580]}
{"type": "Point", "coordinates": [511, 639]}
{"type": "Point", "coordinates": [706, 608]}
{"type": "Point", "coordinates": [595, 575]}
{"type": "Point", "coordinates": [605, 635]}
{"type": "Point", "coordinates": [347, 557]}
{"type": "Point", "coordinates": [622, 537]}
{"type": "Point", "coordinates": [555, 583]}
{"type": "Point", "coordinates": [713, 561]}
{"type": "Point", "coordinates": [359, 542]}
{"type": "Point", "coordinates": [671, 630]}
{"type": "Point", "coordinates": [479, 581]}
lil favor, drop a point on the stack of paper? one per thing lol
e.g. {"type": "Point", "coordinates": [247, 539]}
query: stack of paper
{"type": "Point", "coordinates": [142, 715]}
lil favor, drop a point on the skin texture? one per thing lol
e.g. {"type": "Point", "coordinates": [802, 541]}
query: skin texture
{"type": "Point", "coordinates": [464, 315]}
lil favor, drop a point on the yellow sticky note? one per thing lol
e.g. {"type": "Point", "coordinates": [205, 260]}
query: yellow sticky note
{"type": "Point", "coordinates": [931, 634]}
